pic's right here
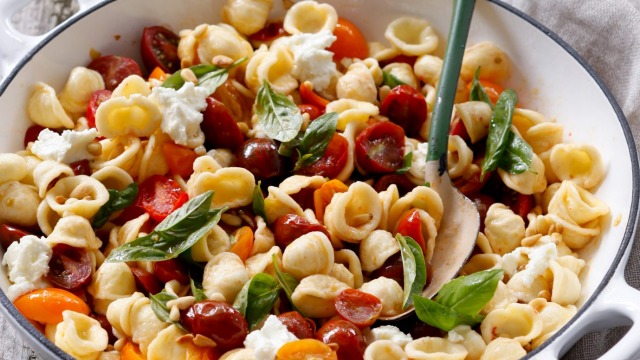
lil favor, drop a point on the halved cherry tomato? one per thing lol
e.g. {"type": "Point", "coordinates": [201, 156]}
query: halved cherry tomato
{"type": "Point", "coordinates": [308, 96]}
{"type": "Point", "coordinates": [492, 89]}
{"type": "Point", "coordinates": [146, 281]}
{"type": "Point", "coordinates": [260, 156]}
{"type": "Point", "coordinates": [159, 196]}
{"type": "Point", "coordinates": [46, 305]}
{"type": "Point", "coordinates": [350, 43]}
{"type": "Point", "coordinates": [244, 243]}
{"type": "Point", "coordinates": [380, 148]}
{"type": "Point", "coordinates": [97, 98]}
{"type": "Point", "coordinates": [322, 197]}
{"type": "Point", "coordinates": [171, 269]}
{"type": "Point", "coordinates": [289, 227]}
{"type": "Point", "coordinates": [69, 267]}
{"type": "Point", "coordinates": [406, 107]}
{"type": "Point", "coordinates": [270, 32]}
{"type": "Point", "coordinates": [458, 128]}
{"type": "Point", "coordinates": [81, 167]}
{"type": "Point", "coordinates": [410, 224]}
{"type": "Point", "coordinates": [114, 69]}
{"type": "Point", "coordinates": [10, 234]}
{"type": "Point", "coordinates": [392, 269]}
{"type": "Point", "coordinates": [179, 159]}
{"type": "Point", "coordinates": [298, 325]}
{"type": "Point", "coordinates": [312, 110]}
{"type": "Point", "coordinates": [402, 182]}
{"type": "Point", "coordinates": [159, 48]}
{"type": "Point", "coordinates": [306, 349]}
{"type": "Point", "coordinates": [351, 343]}
{"type": "Point", "coordinates": [32, 133]}
{"type": "Point", "coordinates": [219, 128]}
{"type": "Point", "coordinates": [332, 162]}
{"type": "Point", "coordinates": [358, 307]}
{"type": "Point", "coordinates": [131, 351]}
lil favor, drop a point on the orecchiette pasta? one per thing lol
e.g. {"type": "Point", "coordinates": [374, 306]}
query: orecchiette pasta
{"type": "Point", "coordinates": [224, 276]}
{"type": "Point", "coordinates": [404, 73]}
{"type": "Point", "coordinates": [432, 348]}
{"type": "Point", "coordinates": [384, 350]}
{"type": "Point", "coordinates": [80, 195]}
{"type": "Point", "coordinates": [353, 215]}
{"type": "Point", "coordinates": [579, 163]}
{"type": "Point", "coordinates": [274, 65]}
{"type": "Point", "coordinates": [542, 137]}
{"type": "Point", "coordinates": [18, 203]}
{"type": "Point", "coordinates": [207, 41]}
{"type": "Point", "coordinates": [315, 294]}
{"type": "Point", "coordinates": [45, 109]}
{"type": "Point", "coordinates": [388, 198]}
{"type": "Point", "coordinates": [503, 349]}
{"type": "Point", "coordinates": [74, 231]}
{"type": "Point", "coordinates": [492, 61]}
{"type": "Point", "coordinates": [263, 262]}
{"type": "Point", "coordinates": [212, 244]}
{"type": "Point", "coordinates": [357, 84]}
{"type": "Point", "coordinates": [167, 344]}
{"type": "Point", "coordinates": [112, 281]}
{"type": "Point", "coordinates": [528, 182]}
{"type": "Point", "coordinates": [279, 203]}
{"type": "Point", "coordinates": [13, 167]}
{"type": "Point", "coordinates": [350, 110]}
{"type": "Point", "coordinates": [553, 317]}
{"type": "Point", "coordinates": [412, 36]}
{"type": "Point", "coordinates": [520, 322]}
{"type": "Point", "coordinates": [421, 197]}
{"type": "Point", "coordinates": [459, 157]}
{"type": "Point", "coordinates": [81, 336]}
{"type": "Point", "coordinates": [388, 291]}
{"type": "Point", "coordinates": [309, 254]}
{"type": "Point", "coordinates": [427, 68]}
{"type": "Point", "coordinates": [232, 186]}
{"type": "Point", "coordinates": [82, 83]}
{"type": "Point", "coordinates": [470, 339]}
{"type": "Point", "coordinates": [247, 16]}
{"type": "Point", "coordinates": [124, 152]}
{"type": "Point", "coordinates": [352, 265]}
{"type": "Point", "coordinates": [112, 177]}
{"type": "Point", "coordinates": [476, 116]}
{"type": "Point", "coordinates": [153, 161]}
{"type": "Point", "coordinates": [503, 228]}
{"type": "Point", "coordinates": [310, 17]}
{"type": "Point", "coordinates": [376, 248]}
{"type": "Point", "coordinates": [120, 116]}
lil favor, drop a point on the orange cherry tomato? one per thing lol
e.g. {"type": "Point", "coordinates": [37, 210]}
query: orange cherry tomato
{"type": "Point", "coordinates": [350, 43]}
{"type": "Point", "coordinates": [158, 74]}
{"type": "Point", "coordinates": [492, 89]}
{"type": "Point", "coordinates": [244, 243]}
{"type": "Point", "coordinates": [322, 196]}
{"type": "Point", "coordinates": [306, 349]}
{"type": "Point", "coordinates": [46, 305]}
{"type": "Point", "coordinates": [309, 97]}
{"type": "Point", "coordinates": [358, 307]}
{"type": "Point", "coordinates": [179, 159]}
{"type": "Point", "coordinates": [410, 224]}
{"type": "Point", "coordinates": [131, 351]}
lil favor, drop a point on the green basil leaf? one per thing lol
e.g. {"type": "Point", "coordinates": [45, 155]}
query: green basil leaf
{"type": "Point", "coordinates": [469, 294]}
{"type": "Point", "coordinates": [414, 268]}
{"type": "Point", "coordinates": [209, 76]}
{"type": "Point", "coordinates": [477, 92]}
{"type": "Point", "coordinates": [278, 116]}
{"type": "Point", "coordinates": [391, 80]}
{"type": "Point", "coordinates": [118, 200]}
{"type": "Point", "coordinates": [159, 306]}
{"type": "Point", "coordinates": [196, 288]}
{"type": "Point", "coordinates": [499, 128]}
{"type": "Point", "coordinates": [440, 316]}
{"type": "Point", "coordinates": [258, 202]}
{"type": "Point", "coordinates": [256, 299]}
{"type": "Point", "coordinates": [406, 163]}
{"type": "Point", "coordinates": [287, 282]}
{"type": "Point", "coordinates": [517, 156]}
{"type": "Point", "coordinates": [287, 148]}
{"type": "Point", "coordinates": [316, 139]}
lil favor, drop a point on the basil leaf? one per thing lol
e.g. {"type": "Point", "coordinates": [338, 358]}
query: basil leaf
{"type": "Point", "coordinates": [196, 288]}
{"type": "Point", "coordinates": [414, 268]}
{"type": "Point", "coordinates": [278, 116]}
{"type": "Point", "coordinates": [118, 200]}
{"type": "Point", "coordinates": [159, 306]}
{"type": "Point", "coordinates": [391, 80]}
{"type": "Point", "coordinates": [258, 202]}
{"type": "Point", "coordinates": [209, 76]}
{"type": "Point", "coordinates": [499, 128]}
{"type": "Point", "coordinates": [406, 163]}
{"type": "Point", "coordinates": [316, 139]}
{"type": "Point", "coordinates": [440, 316]}
{"type": "Point", "coordinates": [477, 92]}
{"type": "Point", "coordinates": [286, 148]}
{"type": "Point", "coordinates": [287, 282]}
{"type": "Point", "coordinates": [256, 299]}
{"type": "Point", "coordinates": [517, 156]}
{"type": "Point", "coordinates": [469, 294]}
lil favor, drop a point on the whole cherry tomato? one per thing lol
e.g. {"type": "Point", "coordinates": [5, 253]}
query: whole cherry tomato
{"type": "Point", "coordinates": [358, 307]}
{"type": "Point", "coordinates": [171, 269]}
{"type": "Point", "coordinates": [313, 111]}
{"type": "Point", "coordinates": [350, 43]}
{"type": "Point", "coordinates": [219, 128]}
{"type": "Point", "coordinates": [96, 99]}
{"type": "Point", "coordinates": [10, 234]}
{"type": "Point", "coordinates": [270, 32]}
{"type": "Point", "coordinates": [402, 182]}
{"type": "Point", "coordinates": [406, 107]}
{"type": "Point", "coordinates": [298, 325]}
{"type": "Point", "coordinates": [218, 321]}
{"type": "Point", "coordinates": [380, 148]}
{"type": "Point", "coordinates": [391, 269]}
{"type": "Point", "coordinates": [46, 305]}
{"type": "Point", "coordinates": [332, 162]}
{"type": "Point", "coordinates": [289, 227]}
{"type": "Point", "coordinates": [159, 196]}
{"type": "Point", "coordinates": [159, 48]}
{"type": "Point", "coordinates": [69, 267]}
{"type": "Point", "coordinates": [260, 156]}
{"type": "Point", "coordinates": [146, 281]}
{"type": "Point", "coordinates": [410, 224]}
{"type": "Point", "coordinates": [114, 69]}
{"type": "Point", "coordinates": [351, 343]}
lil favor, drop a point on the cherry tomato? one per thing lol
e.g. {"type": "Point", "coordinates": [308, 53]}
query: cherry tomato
{"type": "Point", "coordinates": [350, 43]}
{"type": "Point", "coordinates": [96, 99]}
{"type": "Point", "coordinates": [391, 269]}
{"type": "Point", "coordinates": [458, 128]}
{"type": "Point", "coordinates": [270, 32]}
{"type": "Point", "coordinates": [219, 128]}
{"type": "Point", "coordinates": [306, 349]}
{"type": "Point", "coordinates": [308, 96]}
{"type": "Point", "coordinates": [472, 185]}
{"type": "Point", "coordinates": [218, 321]}
{"type": "Point", "coordinates": [482, 203]}
{"type": "Point", "coordinates": [298, 325]}
{"type": "Point", "coordinates": [260, 156]}
{"type": "Point", "coordinates": [159, 48]}
{"type": "Point", "coordinates": [351, 343]}
{"type": "Point", "coordinates": [332, 162]}
{"type": "Point", "coordinates": [171, 269]}
{"type": "Point", "coordinates": [406, 107]}
{"type": "Point", "coordinates": [179, 159]}
{"type": "Point", "coordinates": [114, 69]}
{"type": "Point", "coordinates": [32, 133]}
{"type": "Point", "coordinates": [244, 243]}
{"type": "Point", "coordinates": [410, 224]}
{"type": "Point", "coordinates": [289, 227]}
{"type": "Point", "coordinates": [522, 205]}
{"type": "Point", "coordinates": [492, 89]}
{"type": "Point", "coordinates": [358, 307]}
{"type": "Point", "coordinates": [131, 351]}
{"type": "Point", "coordinates": [10, 234]}
{"type": "Point", "coordinates": [304, 198]}
{"type": "Point", "coordinates": [69, 267]}
{"type": "Point", "coordinates": [402, 182]}
{"type": "Point", "coordinates": [46, 305]}
{"type": "Point", "coordinates": [380, 147]}
{"type": "Point", "coordinates": [81, 167]}
{"type": "Point", "coordinates": [313, 111]}
{"type": "Point", "coordinates": [322, 197]}
{"type": "Point", "coordinates": [146, 281]}
{"type": "Point", "coordinates": [159, 196]}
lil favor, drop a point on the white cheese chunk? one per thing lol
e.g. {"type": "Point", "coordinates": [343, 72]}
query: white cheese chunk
{"type": "Point", "coordinates": [28, 261]}
{"type": "Point", "coordinates": [266, 341]}
{"type": "Point", "coordinates": [539, 260]}
{"type": "Point", "coordinates": [68, 147]}
{"type": "Point", "coordinates": [311, 61]}
{"type": "Point", "coordinates": [388, 332]}
{"type": "Point", "coordinates": [419, 160]}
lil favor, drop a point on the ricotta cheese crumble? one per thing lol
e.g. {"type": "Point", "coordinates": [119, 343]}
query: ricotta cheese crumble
{"type": "Point", "coordinates": [68, 147]}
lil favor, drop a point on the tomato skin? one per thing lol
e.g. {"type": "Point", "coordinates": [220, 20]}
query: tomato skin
{"type": "Point", "coordinates": [69, 267]}
{"type": "Point", "coordinates": [114, 69]}
{"type": "Point", "coordinates": [358, 307]}
{"type": "Point", "coordinates": [219, 128]}
{"type": "Point", "coordinates": [159, 196]}
{"type": "Point", "coordinates": [406, 107]}
{"type": "Point", "coordinates": [81, 167]}
{"type": "Point", "coordinates": [171, 269]}
{"type": "Point", "coordinates": [458, 128]}
{"type": "Point", "coordinates": [96, 99]}
{"type": "Point", "coordinates": [308, 96]}
{"type": "Point", "coordinates": [299, 326]}
{"type": "Point", "coordinates": [380, 148]}
{"type": "Point", "coordinates": [289, 227]}
{"type": "Point", "coordinates": [260, 156]}
{"type": "Point", "coordinates": [180, 159]}
{"type": "Point", "coordinates": [146, 281]}
{"type": "Point", "coordinates": [46, 305]}
{"type": "Point", "coordinates": [472, 185]}
{"type": "Point", "coordinates": [218, 321]}
{"type": "Point", "coordinates": [270, 32]}
{"type": "Point", "coordinates": [351, 343]}
{"type": "Point", "coordinates": [32, 133]}
{"type": "Point", "coordinates": [350, 43]}
{"type": "Point", "coordinates": [410, 224]}
{"type": "Point", "coordinates": [159, 48]}
{"type": "Point", "coordinates": [313, 111]}
{"type": "Point", "coordinates": [332, 162]}
{"type": "Point", "coordinates": [402, 182]}
{"type": "Point", "coordinates": [524, 204]}
{"type": "Point", "coordinates": [10, 234]}
{"type": "Point", "coordinates": [392, 269]}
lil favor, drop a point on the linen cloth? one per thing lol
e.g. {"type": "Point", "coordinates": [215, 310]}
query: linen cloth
{"type": "Point", "coordinates": [606, 33]}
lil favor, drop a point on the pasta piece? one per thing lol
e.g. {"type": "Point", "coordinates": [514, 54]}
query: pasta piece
{"type": "Point", "coordinates": [403, 72]}
{"type": "Point", "coordinates": [18, 204]}
{"type": "Point", "coordinates": [381, 52]}
{"type": "Point", "coordinates": [434, 348]}
{"type": "Point", "coordinates": [525, 119]}
{"type": "Point", "coordinates": [388, 198]}
{"type": "Point", "coordinates": [124, 152]}
{"type": "Point", "coordinates": [307, 255]}
{"type": "Point", "coordinates": [279, 203]}
{"type": "Point", "coordinates": [310, 17]}
{"type": "Point", "coordinates": [81, 336]}
{"type": "Point", "coordinates": [376, 248]}
{"type": "Point", "coordinates": [357, 84]}
{"type": "Point", "coordinates": [77, 195]}
{"type": "Point", "coordinates": [315, 294]}
{"type": "Point", "coordinates": [388, 291]}
{"type": "Point", "coordinates": [274, 65]}
{"type": "Point", "coordinates": [520, 322]}
{"type": "Point", "coordinates": [352, 264]}
{"type": "Point", "coordinates": [350, 110]}
{"type": "Point", "coordinates": [352, 129]}
{"type": "Point", "coordinates": [247, 16]}
{"type": "Point", "coordinates": [81, 84]}
{"type": "Point", "coordinates": [210, 245]}
{"type": "Point", "coordinates": [500, 300]}
{"type": "Point", "coordinates": [353, 215]}
{"type": "Point", "coordinates": [528, 182]}
{"type": "Point", "coordinates": [232, 187]}
{"type": "Point", "coordinates": [459, 157]}
{"type": "Point", "coordinates": [427, 69]}
{"type": "Point", "coordinates": [239, 354]}
{"type": "Point", "coordinates": [263, 238]}
{"type": "Point", "coordinates": [581, 164]}
{"type": "Point", "coordinates": [113, 177]}
{"type": "Point", "coordinates": [503, 349]}
{"type": "Point", "coordinates": [476, 116]}
{"type": "Point", "coordinates": [573, 203]}
{"type": "Point", "coordinates": [342, 274]}
{"type": "Point", "coordinates": [205, 42]}
{"type": "Point", "coordinates": [470, 339]}
{"type": "Point", "coordinates": [493, 62]}
{"type": "Point", "coordinates": [153, 161]}
{"type": "Point", "coordinates": [566, 286]}
{"type": "Point", "coordinates": [120, 116]}
{"type": "Point", "coordinates": [384, 350]}
{"type": "Point", "coordinates": [553, 316]}
{"type": "Point", "coordinates": [387, 332]}
{"type": "Point", "coordinates": [45, 109]}
{"type": "Point", "coordinates": [503, 228]}
{"type": "Point", "coordinates": [46, 218]}
{"type": "Point", "coordinates": [526, 288]}
{"type": "Point", "coordinates": [262, 263]}
{"type": "Point", "coordinates": [168, 345]}
{"type": "Point", "coordinates": [543, 137]}
{"type": "Point", "coordinates": [128, 232]}
{"type": "Point", "coordinates": [421, 197]}
{"type": "Point", "coordinates": [481, 262]}
{"type": "Point", "coordinates": [224, 276]}
{"type": "Point", "coordinates": [13, 167]}
{"type": "Point", "coordinates": [412, 36]}
{"type": "Point", "coordinates": [110, 282]}
{"type": "Point", "coordinates": [31, 162]}
{"type": "Point", "coordinates": [131, 85]}
{"type": "Point", "coordinates": [74, 231]}
{"type": "Point", "coordinates": [295, 183]}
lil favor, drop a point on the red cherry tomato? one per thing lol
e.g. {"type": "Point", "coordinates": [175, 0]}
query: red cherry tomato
{"type": "Point", "coordinates": [171, 269]}
{"type": "Point", "coordinates": [313, 111]}
{"type": "Point", "coordinates": [32, 133]}
{"type": "Point", "coordinates": [10, 234]}
{"type": "Point", "coordinates": [523, 204]}
{"type": "Point", "coordinates": [406, 107]}
{"type": "Point", "coordinates": [180, 159]}
{"type": "Point", "coordinates": [391, 269]}
{"type": "Point", "coordinates": [402, 182]}
{"type": "Point", "coordinates": [351, 343]}
{"type": "Point", "coordinates": [472, 185]}
{"type": "Point", "coordinates": [159, 196]}
{"type": "Point", "coordinates": [380, 148]}
{"type": "Point", "coordinates": [289, 227]}
{"type": "Point", "coordinates": [69, 267]}
{"type": "Point", "coordinates": [358, 307]}
{"type": "Point", "coordinates": [350, 43]}
{"type": "Point", "coordinates": [146, 281]}
{"type": "Point", "coordinates": [218, 321]}
{"type": "Point", "coordinates": [308, 96]}
{"type": "Point", "coordinates": [219, 128]}
{"type": "Point", "coordinates": [458, 128]}
{"type": "Point", "coordinates": [299, 326]}
{"type": "Point", "coordinates": [260, 156]}
{"type": "Point", "coordinates": [410, 224]}
{"type": "Point", "coordinates": [97, 98]}
{"type": "Point", "coordinates": [114, 69]}
{"type": "Point", "coordinates": [270, 32]}
{"type": "Point", "coordinates": [159, 48]}
{"type": "Point", "coordinates": [332, 162]}
{"type": "Point", "coordinates": [81, 167]}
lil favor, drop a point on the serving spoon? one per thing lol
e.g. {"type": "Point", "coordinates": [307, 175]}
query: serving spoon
{"type": "Point", "coordinates": [461, 221]}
